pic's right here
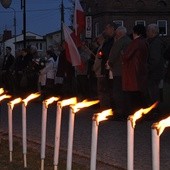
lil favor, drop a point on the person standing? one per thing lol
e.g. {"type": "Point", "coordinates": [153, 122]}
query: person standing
{"type": "Point", "coordinates": [7, 67]}
{"type": "Point", "coordinates": [26, 62]}
{"type": "Point", "coordinates": [115, 65]}
{"type": "Point", "coordinates": [103, 54]}
{"type": "Point", "coordinates": [101, 85]}
{"type": "Point", "coordinates": [8, 60]}
{"type": "Point", "coordinates": [135, 72]}
{"type": "Point", "coordinates": [156, 62]}
{"type": "Point", "coordinates": [47, 75]}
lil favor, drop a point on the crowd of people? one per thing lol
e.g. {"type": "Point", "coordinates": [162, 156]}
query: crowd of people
{"type": "Point", "coordinates": [131, 69]}
{"type": "Point", "coordinates": [125, 72]}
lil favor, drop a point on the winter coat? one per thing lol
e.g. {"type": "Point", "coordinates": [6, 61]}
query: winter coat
{"type": "Point", "coordinates": [134, 66]}
{"type": "Point", "coordinates": [105, 51]}
{"type": "Point", "coordinates": [8, 62]}
{"type": "Point", "coordinates": [97, 64]}
{"type": "Point", "coordinates": [48, 72]}
{"type": "Point", "coordinates": [156, 59]}
{"type": "Point", "coordinates": [115, 59]}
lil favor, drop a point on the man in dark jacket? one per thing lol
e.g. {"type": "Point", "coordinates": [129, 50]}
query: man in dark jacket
{"type": "Point", "coordinates": [8, 60]}
{"type": "Point", "coordinates": [156, 62]}
{"type": "Point", "coordinates": [109, 34]}
{"type": "Point", "coordinates": [6, 78]}
{"type": "Point", "coordinates": [115, 64]}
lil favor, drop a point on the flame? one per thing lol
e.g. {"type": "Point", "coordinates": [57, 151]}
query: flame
{"type": "Point", "coordinates": [50, 100]}
{"type": "Point", "coordinates": [5, 97]}
{"type": "Point", "coordinates": [30, 97]}
{"type": "Point", "coordinates": [83, 104]}
{"type": "Point", "coordinates": [67, 102]}
{"type": "Point", "coordinates": [1, 91]}
{"type": "Point", "coordinates": [137, 115]}
{"type": "Point", "coordinates": [161, 125]}
{"type": "Point", "coordinates": [103, 115]}
{"type": "Point", "coordinates": [15, 101]}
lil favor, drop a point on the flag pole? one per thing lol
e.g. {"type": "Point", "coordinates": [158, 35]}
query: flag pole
{"type": "Point", "coordinates": [91, 52]}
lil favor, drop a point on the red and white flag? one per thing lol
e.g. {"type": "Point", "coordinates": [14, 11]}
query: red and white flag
{"type": "Point", "coordinates": [72, 53]}
{"type": "Point", "coordinates": [79, 18]}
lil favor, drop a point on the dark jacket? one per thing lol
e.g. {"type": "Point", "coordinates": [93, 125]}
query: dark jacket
{"type": "Point", "coordinates": [105, 54]}
{"type": "Point", "coordinates": [134, 68]}
{"type": "Point", "coordinates": [156, 59]}
{"type": "Point", "coordinates": [8, 62]}
{"type": "Point", "coordinates": [115, 58]}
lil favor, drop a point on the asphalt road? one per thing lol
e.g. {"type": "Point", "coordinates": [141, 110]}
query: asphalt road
{"type": "Point", "coordinates": [112, 136]}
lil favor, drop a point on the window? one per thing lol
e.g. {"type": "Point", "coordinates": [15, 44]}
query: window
{"type": "Point", "coordinates": [118, 22]}
{"type": "Point", "coordinates": [96, 29]}
{"type": "Point", "coordinates": [39, 46]}
{"type": "Point", "coordinates": [162, 24]}
{"type": "Point", "coordinates": [140, 22]}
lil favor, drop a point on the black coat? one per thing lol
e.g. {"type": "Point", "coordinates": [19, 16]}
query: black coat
{"type": "Point", "coordinates": [105, 54]}
{"type": "Point", "coordinates": [8, 62]}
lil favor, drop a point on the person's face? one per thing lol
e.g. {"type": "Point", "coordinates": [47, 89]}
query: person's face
{"type": "Point", "coordinates": [100, 40]}
{"type": "Point", "coordinates": [109, 30]}
{"type": "Point", "coordinates": [8, 51]}
{"type": "Point", "coordinates": [118, 34]}
{"type": "Point", "coordinates": [149, 33]}
{"type": "Point", "coordinates": [23, 53]}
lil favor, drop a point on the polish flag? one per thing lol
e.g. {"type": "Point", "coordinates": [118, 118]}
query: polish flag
{"type": "Point", "coordinates": [79, 18]}
{"type": "Point", "coordinates": [72, 53]}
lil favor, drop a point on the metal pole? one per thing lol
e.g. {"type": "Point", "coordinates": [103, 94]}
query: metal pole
{"type": "Point", "coordinates": [23, 6]}
{"type": "Point", "coordinates": [24, 23]}
{"type": "Point", "coordinates": [62, 19]}
{"type": "Point", "coordinates": [14, 28]}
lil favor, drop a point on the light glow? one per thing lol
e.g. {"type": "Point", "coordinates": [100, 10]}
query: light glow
{"type": "Point", "coordinates": [1, 91]}
{"type": "Point", "coordinates": [137, 115]}
{"type": "Point", "coordinates": [161, 125]}
{"type": "Point", "coordinates": [103, 115]}
{"type": "Point", "coordinates": [83, 104]}
{"type": "Point", "coordinates": [5, 97]}
{"type": "Point", "coordinates": [15, 101]}
{"type": "Point", "coordinates": [50, 101]}
{"type": "Point", "coordinates": [30, 97]}
{"type": "Point", "coordinates": [68, 102]}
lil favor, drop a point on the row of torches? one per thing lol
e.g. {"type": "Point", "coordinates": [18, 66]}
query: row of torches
{"type": "Point", "coordinates": [157, 129]}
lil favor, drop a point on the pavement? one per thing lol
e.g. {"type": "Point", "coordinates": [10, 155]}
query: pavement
{"type": "Point", "coordinates": [112, 136]}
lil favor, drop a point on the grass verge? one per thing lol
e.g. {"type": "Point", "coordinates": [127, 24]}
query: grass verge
{"type": "Point", "coordinates": [33, 158]}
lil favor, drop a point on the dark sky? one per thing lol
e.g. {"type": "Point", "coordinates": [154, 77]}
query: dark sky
{"type": "Point", "coordinates": [43, 16]}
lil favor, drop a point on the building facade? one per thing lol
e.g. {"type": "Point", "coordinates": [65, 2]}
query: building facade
{"type": "Point", "coordinates": [31, 39]}
{"type": "Point", "coordinates": [128, 13]}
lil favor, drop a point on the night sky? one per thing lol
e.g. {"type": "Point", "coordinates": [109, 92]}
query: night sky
{"type": "Point", "coordinates": [43, 16]}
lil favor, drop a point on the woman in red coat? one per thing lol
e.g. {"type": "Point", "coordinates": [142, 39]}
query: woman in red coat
{"type": "Point", "coordinates": [134, 71]}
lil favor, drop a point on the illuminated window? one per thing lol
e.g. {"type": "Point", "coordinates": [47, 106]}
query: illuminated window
{"type": "Point", "coordinates": [118, 22]}
{"type": "Point", "coordinates": [140, 22]}
{"type": "Point", "coordinates": [162, 24]}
